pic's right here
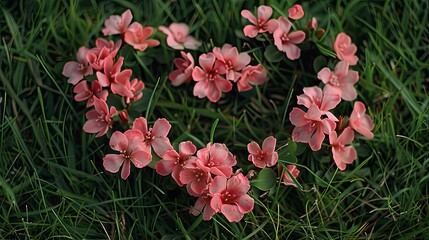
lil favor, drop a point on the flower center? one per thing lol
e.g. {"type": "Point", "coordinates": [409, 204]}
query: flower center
{"type": "Point", "coordinates": [227, 196]}
{"type": "Point", "coordinates": [334, 80]}
{"type": "Point", "coordinates": [148, 136]}
{"type": "Point", "coordinates": [284, 38]}
{"type": "Point", "coordinates": [125, 154]}
{"type": "Point", "coordinates": [212, 75]}
{"type": "Point", "coordinates": [198, 175]}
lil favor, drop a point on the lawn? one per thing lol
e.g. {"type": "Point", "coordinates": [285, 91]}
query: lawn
{"type": "Point", "coordinates": [52, 181]}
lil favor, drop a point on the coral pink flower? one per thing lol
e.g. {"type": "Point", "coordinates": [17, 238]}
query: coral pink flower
{"type": "Point", "coordinates": [232, 60]}
{"type": "Point", "coordinates": [136, 87]}
{"type": "Point", "coordinates": [178, 38]}
{"type": "Point", "coordinates": [129, 145]}
{"type": "Point", "coordinates": [251, 75]}
{"type": "Point", "coordinates": [202, 205]}
{"type": "Point", "coordinates": [96, 57]}
{"type": "Point", "coordinates": [209, 82]}
{"type": "Point", "coordinates": [112, 72]}
{"type": "Point", "coordinates": [137, 36]}
{"type": "Point", "coordinates": [217, 159]}
{"type": "Point", "coordinates": [156, 136]}
{"type": "Point", "coordinates": [285, 40]}
{"type": "Point", "coordinates": [173, 162]}
{"type": "Point", "coordinates": [265, 157]}
{"type": "Point", "coordinates": [75, 71]}
{"type": "Point", "coordinates": [117, 24]}
{"type": "Point", "coordinates": [260, 24]}
{"type": "Point", "coordinates": [195, 178]}
{"type": "Point", "coordinates": [84, 93]}
{"type": "Point", "coordinates": [296, 12]}
{"type": "Point", "coordinates": [112, 46]}
{"type": "Point", "coordinates": [342, 79]}
{"type": "Point", "coordinates": [183, 73]}
{"type": "Point", "coordinates": [345, 49]}
{"type": "Point", "coordinates": [230, 196]}
{"type": "Point", "coordinates": [100, 118]}
{"type": "Point", "coordinates": [361, 122]}
{"type": "Point", "coordinates": [325, 101]}
{"type": "Point", "coordinates": [309, 127]}
{"type": "Point", "coordinates": [342, 154]}
{"type": "Point", "coordinates": [286, 179]}
{"type": "Point", "coordinates": [312, 24]}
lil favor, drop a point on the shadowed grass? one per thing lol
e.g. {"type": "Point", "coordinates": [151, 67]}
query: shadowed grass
{"type": "Point", "coordinates": [52, 182]}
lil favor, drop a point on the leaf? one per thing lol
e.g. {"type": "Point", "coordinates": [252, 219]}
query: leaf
{"type": "Point", "coordinates": [265, 180]}
{"type": "Point", "coordinates": [319, 63]}
{"type": "Point", "coordinates": [272, 54]}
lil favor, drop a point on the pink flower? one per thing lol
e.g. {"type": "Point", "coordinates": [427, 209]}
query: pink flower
{"type": "Point", "coordinates": [232, 60]}
{"type": "Point", "coordinates": [342, 154]}
{"type": "Point", "coordinates": [136, 87]}
{"type": "Point", "coordinates": [137, 36]}
{"type": "Point", "coordinates": [178, 38]}
{"type": "Point", "coordinates": [155, 137]}
{"type": "Point", "coordinates": [173, 162]}
{"type": "Point", "coordinates": [286, 40]}
{"type": "Point", "coordinates": [123, 116]}
{"type": "Point", "coordinates": [345, 49]}
{"type": "Point", "coordinates": [100, 118]}
{"type": "Point", "coordinates": [309, 127]}
{"type": "Point", "coordinates": [112, 46]}
{"type": "Point", "coordinates": [84, 93]}
{"type": "Point", "coordinates": [251, 75]}
{"type": "Point", "coordinates": [202, 205]}
{"type": "Point", "coordinates": [209, 81]}
{"type": "Point", "coordinates": [75, 71]}
{"type": "Point", "coordinates": [183, 73]}
{"type": "Point", "coordinates": [325, 101]}
{"type": "Point", "coordinates": [117, 24]}
{"type": "Point", "coordinates": [129, 145]}
{"type": "Point", "coordinates": [361, 122]}
{"type": "Point", "coordinates": [312, 24]}
{"type": "Point", "coordinates": [230, 197]}
{"type": "Point", "coordinates": [296, 12]}
{"type": "Point", "coordinates": [195, 178]}
{"type": "Point", "coordinates": [342, 79]}
{"type": "Point", "coordinates": [112, 72]}
{"type": "Point", "coordinates": [96, 57]}
{"type": "Point", "coordinates": [260, 24]}
{"type": "Point", "coordinates": [217, 159]}
{"type": "Point", "coordinates": [265, 157]}
{"type": "Point", "coordinates": [286, 179]}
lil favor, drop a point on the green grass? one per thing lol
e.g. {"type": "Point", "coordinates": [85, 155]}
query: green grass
{"type": "Point", "coordinates": [52, 183]}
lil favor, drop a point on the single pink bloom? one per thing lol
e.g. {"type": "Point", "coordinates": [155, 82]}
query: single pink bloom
{"type": "Point", "coordinates": [265, 157]}
{"type": "Point", "coordinates": [183, 73]}
{"type": "Point", "coordinates": [100, 118]}
{"type": "Point", "coordinates": [286, 179]}
{"type": "Point", "coordinates": [209, 82]}
{"type": "Point", "coordinates": [123, 88]}
{"type": "Point", "coordinates": [251, 75]}
{"type": "Point", "coordinates": [195, 178]}
{"type": "Point", "coordinates": [217, 159]}
{"type": "Point", "coordinates": [261, 24]}
{"type": "Point", "coordinates": [342, 79]}
{"type": "Point", "coordinates": [129, 145]}
{"type": "Point", "coordinates": [173, 162]}
{"type": "Point", "coordinates": [84, 93]}
{"type": "Point", "coordinates": [361, 122]}
{"type": "Point", "coordinates": [75, 71]}
{"type": "Point", "coordinates": [285, 40]}
{"type": "Point", "coordinates": [112, 46]}
{"type": "Point", "coordinates": [136, 87]}
{"type": "Point", "coordinates": [155, 137]}
{"type": "Point", "coordinates": [112, 72]}
{"type": "Point", "coordinates": [312, 24]}
{"type": "Point", "coordinates": [178, 38]}
{"type": "Point", "coordinates": [96, 57]}
{"type": "Point", "coordinates": [233, 61]}
{"type": "Point", "coordinates": [202, 205]}
{"type": "Point", "coordinates": [296, 12]}
{"type": "Point", "coordinates": [230, 196]}
{"type": "Point", "coordinates": [117, 24]}
{"type": "Point", "coordinates": [123, 116]}
{"type": "Point", "coordinates": [309, 127]}
{"type": "Point", "coordinates": [137, 36]}
{"type": "Point", "coordinates": [343, 154]}
{"type": "Point", "coordinates": [325, 101]}
{"type": "Point", "coordinates": [345, 49]}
